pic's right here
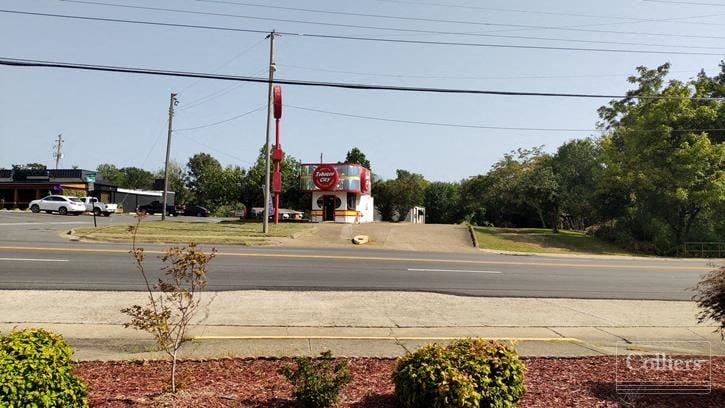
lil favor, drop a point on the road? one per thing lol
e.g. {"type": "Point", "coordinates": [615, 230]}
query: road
{"type": "Point", "coordinates": [34, 255]}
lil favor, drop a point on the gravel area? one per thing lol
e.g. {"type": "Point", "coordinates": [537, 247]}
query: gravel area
{"type": "Point", "coordinates": [550, 382]}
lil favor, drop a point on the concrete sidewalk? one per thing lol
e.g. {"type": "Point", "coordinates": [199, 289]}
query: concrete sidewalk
{"type": "Point", "coordinates": [271, 323]}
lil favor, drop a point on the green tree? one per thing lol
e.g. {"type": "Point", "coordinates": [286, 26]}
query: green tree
{"type": "Point", "coordinates": [177, 182]}
{"type": "Point", "coordinates": [672, 173]}
{"type": "Point", "coordinates": [202, 173]}
{"type": "Point", "coordinates": [383, 192]}
{"type": "Point", "coordinates": [442, 204]}
{"type": "Point", "coordinates": [357, 157]}
{"type": "Point", "coordinates": [136, 178]}
{"type": "Point", "coordinates": [252, 192]}
{"type": "Point", "coordinates": [575, 163]}
{"type": "Point", "coordinates": [110, 174]}
{"type": "Point", "coordinates": [397, 197]}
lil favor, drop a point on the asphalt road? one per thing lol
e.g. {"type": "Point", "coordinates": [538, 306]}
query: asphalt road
{"type": "Point", "coordinates": [34, 255]}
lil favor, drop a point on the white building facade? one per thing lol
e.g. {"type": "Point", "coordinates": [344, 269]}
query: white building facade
{"type": "Point", "coordinates": [340, 192]}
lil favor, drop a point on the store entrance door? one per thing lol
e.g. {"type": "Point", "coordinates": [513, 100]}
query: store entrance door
{"type": "Point", "coordinates": [328, 208]}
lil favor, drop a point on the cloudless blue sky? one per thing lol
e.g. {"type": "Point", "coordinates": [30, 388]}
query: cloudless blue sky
{"type": "Point", "coordinates": [121, 118]}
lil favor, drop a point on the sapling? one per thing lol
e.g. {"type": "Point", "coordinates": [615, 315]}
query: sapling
{"type": "Point", "coordinates": [173, 300]}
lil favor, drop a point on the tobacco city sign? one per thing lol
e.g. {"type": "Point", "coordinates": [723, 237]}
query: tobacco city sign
{"type": "Point", "coordinates": [325, 177]}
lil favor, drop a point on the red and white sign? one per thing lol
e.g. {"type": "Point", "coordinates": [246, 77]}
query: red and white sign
{"type": "Point", "coordinates": [277, 98]}
{"type": "Point", "coordinates": [365, 181]}
{"type": "Point", "coordinates": [325, 177]}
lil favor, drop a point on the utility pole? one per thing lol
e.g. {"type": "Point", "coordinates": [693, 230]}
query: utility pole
{"type": "Point", "coordinates": [172, 102]}
{"type": "Point", "coordinates": [57, 154]}
{"type": "Point", "coordinates": [272, 68]}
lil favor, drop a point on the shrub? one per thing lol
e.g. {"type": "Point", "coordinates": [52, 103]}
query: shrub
{"type": "Point", "coordinates": [466, 373]}
{"type": "Point", "coordinates": [36, 370]}
{"type": "Point", "coordinates": [317, 382]}
{"type": "Point", "coordinates": [710, 298]}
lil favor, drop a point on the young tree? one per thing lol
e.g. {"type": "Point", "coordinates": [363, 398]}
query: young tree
{"type": "Point", "coordinates": [172, 301]}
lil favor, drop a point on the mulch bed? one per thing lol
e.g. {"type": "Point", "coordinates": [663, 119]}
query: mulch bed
{"type": "Point", "coordinates": [550, 382]}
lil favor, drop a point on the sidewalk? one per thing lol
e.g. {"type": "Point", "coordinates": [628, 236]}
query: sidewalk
{"type": "Point", "coordinates": [386, 324]}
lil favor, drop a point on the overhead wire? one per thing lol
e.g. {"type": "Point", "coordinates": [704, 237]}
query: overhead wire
{"type": "Point", "coordinates": [189, 129]}
{"type": "Point", "coordinates": [456, 125]}
{"type": "Point", "coordinates": [14, 62]}
{"type": "Point", "coordinates": [395, 29]}
{"type": "Point", "coordinates": [358, 38]}
{"type": "Point", "coordinates": [209, 97]}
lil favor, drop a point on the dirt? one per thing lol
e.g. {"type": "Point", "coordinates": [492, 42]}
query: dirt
{"type": "Point", "coordinates": [550, 382]}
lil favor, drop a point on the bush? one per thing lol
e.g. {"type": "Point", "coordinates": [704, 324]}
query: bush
{"type": "Point", "coordinates": [36, 370]}
{"type": "Point", "coordinates": [317, 382]}
{"type": "Point", "coordinates": [710, 298]}
{"type": "Point", "coordinates": [466, 373]}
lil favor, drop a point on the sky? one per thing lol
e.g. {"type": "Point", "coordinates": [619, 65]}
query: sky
{"type": "Point", "coordinates": [122, 118]}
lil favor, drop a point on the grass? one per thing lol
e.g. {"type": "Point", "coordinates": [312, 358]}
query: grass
{"type": "Point", "coordinates": [543, 241]}
{"type": "Point", "coordinates": [167, 232]}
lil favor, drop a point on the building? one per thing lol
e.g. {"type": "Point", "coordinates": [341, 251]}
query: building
{"type": "Point", "coordinates": [18, 187]}
{"type": "Point", "coordinates": [340, 192]}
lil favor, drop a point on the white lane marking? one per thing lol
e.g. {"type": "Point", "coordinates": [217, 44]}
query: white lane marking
{"type": "Point", "coordinates": [33, 260]}
{"type": "Point", "coordinates": [42, 223]}
{"type": "Point", "coordinates": [450, 270]}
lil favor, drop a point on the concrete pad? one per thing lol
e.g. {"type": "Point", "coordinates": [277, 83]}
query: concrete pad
{"type": "Point", "coordinates": [208, 349]}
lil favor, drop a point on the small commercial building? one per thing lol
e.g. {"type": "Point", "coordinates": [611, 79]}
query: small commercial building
{"type": "Point", "coordinates": [340, 192]}
{"type": "Point", "coordinates": [18, 187]}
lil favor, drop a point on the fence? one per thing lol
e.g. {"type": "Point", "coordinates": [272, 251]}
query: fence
{"type": "Point", "coordinates": [703, 249]}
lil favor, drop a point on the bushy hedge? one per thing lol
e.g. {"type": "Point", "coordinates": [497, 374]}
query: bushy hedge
{"type": "Point", "coordinates": [466, 373]}
{"type": "Point", "coordinates": [317, 382]}
{"type": "Point", "coordinates": [36, 370]}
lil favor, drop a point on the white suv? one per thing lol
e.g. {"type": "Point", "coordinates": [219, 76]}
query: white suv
{"type": "Point", "coordinates": [61, 204]}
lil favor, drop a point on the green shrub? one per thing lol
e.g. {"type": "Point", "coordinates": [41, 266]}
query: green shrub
{"type": "Point", "coordinates": [36, 370]}
{"type": "Point", "coordinates": [466, 373]}
{"type": "Point", "coordinates": [317, 382]}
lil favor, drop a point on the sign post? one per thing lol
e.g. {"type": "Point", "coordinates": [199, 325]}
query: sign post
{"type": "Point", "coordinates": [277, 154]}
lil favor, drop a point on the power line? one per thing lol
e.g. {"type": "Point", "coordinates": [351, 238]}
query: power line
{"type": "Point", "coordinates": [462, 77]}
{"type": "Point", "coordinates": [220, 122]}
{"type": "Point", "coordinates": [345, 13]}
{"type": "Point", "coordinates": [320, 23]}
{"type": "Point", "coordinates": [145, 71]}
{"type": "Point", "coordinates": [455, 125]}
{"type": "Point", "coordinates": [218, 151]}
{"type": "Point", "coordinates": [693, 3]}
{"type": "Point", "coordinates": [215, 94]}
{"type": "Point", "coordinates": [362, 38]}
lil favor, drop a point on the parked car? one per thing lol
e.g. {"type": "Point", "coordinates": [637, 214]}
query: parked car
{"type": "Point", "coordinates": [58, 203]}
{"type": "Point", "coordinates": [196, 211]}
{"type": "Point", "coordinates": [155, 207]}
{"type": "Point", "coordinates": [97, 207]}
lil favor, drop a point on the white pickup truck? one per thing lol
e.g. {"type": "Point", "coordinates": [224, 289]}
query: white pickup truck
{"type": "Point", "coordinates": [93, 205]}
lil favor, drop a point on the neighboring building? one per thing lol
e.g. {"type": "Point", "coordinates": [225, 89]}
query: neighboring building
{"type": "Point", "coordinates": [19, 187]}
{"type": "Point", "coordinates": [340, 192]}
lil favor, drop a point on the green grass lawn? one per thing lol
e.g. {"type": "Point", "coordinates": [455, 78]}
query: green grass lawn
{"type": "Point", "coordinates": [543, 240]}
{"type": "Point", "coordinates": [224, 232]}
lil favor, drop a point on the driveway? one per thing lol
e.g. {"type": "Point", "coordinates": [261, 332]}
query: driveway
{"type": "Point", "coordinates": [387, 235]}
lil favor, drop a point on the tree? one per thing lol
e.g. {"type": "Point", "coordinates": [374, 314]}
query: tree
{"type": "Point", "coordinates": [574, 164]}
{"type": "Point", "coordinates": [382, 190]}
{"type": "Point", "coordinates": [397, 197]}
{"type": "Point", "coordinates": [177, 182]}
{"type": "Point", "coordinates": [442, 204]}
{"type": "Point", "coordinates": [110, 174]}
{"type": "Point", "coordinates": [136, 178]}
{"type": "Point", "coordinates": [357, 157]}
{"type": "Point", "coordinates": [203, 172]}
{"type": "Point", "coordinates": [672, 173]}
{"type": "Point", "coordinates": [252, 192]}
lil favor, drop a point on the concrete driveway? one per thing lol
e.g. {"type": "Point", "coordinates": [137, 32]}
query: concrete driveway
{"type": "Point", "coordinates": [387, 235]}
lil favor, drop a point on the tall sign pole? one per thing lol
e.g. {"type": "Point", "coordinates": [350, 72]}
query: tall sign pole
{"type": "Point", "coordinates": [265, 221]}
{"type": "Point", "coordinates": [277, 154]}
{"type": "Point", "coordinates": [172, 102]}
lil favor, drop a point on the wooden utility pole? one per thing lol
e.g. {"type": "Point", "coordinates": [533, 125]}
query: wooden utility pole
{"type": "Point", "coordinates": [58, 152]}
{"type": "Point", "coordinates": [172, 102]}
{"type": "Point", "coordinates": [265, 221]}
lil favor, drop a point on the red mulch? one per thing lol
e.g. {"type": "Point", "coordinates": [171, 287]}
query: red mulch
{"type": "Point", "coordinates": [550, 382]}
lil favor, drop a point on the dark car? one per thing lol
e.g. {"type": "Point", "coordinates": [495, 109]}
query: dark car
{"type": "Point", "coordinates": [196, 211]}
{"type": "Point", "coordinates": [155, 207]}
